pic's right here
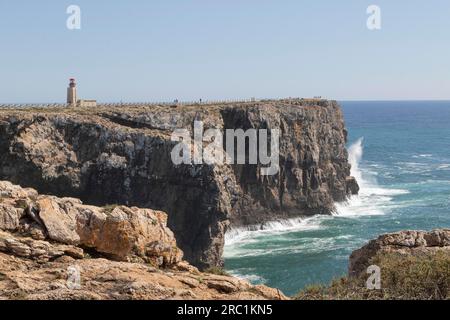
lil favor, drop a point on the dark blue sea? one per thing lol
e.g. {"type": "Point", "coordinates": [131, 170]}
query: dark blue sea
{"type": "Point", "coordinates": [400, 154]}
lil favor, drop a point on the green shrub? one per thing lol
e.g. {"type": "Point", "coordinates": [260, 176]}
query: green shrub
{"type": "Point", "coordinates": [109, 208]}
{"type": "Point", "coordinates": [217, 271]}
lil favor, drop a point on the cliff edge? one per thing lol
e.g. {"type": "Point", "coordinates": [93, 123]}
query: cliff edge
{"type": "Point", "coordinates": [58, 248]}
{"type": "Point", "coordinates": [405, 265]}
{"type": "Point", "coordinates": [123, 156]}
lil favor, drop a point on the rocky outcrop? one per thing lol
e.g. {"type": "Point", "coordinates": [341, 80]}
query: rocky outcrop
{"type": "Point", "coordinates": [120, 233]}
{"type": "Point", "coordinates": [122, 156]}
{"type": "Point", "coordinates": [41, 251]}
{"type": "Point", "coordinates": [58, 248]}
{"type": "Point", "coordinates": [102, 279]}
{"type": "Point", "coordinates": [403, 242]}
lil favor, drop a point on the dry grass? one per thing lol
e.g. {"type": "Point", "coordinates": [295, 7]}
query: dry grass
{"type": "Point", "coordinates": [424, 276]}
{"type": "Point", "coordinates": [217, 271]}
{"type": "Point", "coordinates": [109, 208]}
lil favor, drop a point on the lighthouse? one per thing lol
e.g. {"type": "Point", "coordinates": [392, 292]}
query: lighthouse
{"type": "Point", "coordinates": [72, 93]}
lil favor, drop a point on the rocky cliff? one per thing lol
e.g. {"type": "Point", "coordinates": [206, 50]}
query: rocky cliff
{"type": "Point", "coordinates": [58, 248]}
{"type": "Point", "coordinates": [406, 243]}
{"type": "Point", "coordinates": [405, 265]}
{"type": "Point", "coordinates": [123, 156]}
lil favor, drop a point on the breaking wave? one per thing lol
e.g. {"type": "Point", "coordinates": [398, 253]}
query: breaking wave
{"type": "Point", "coordinates": [245, 234]}
{"type": "Point", "coordinates": [317, 235]}
{"type": "Point", "coordinates": [372, 199]}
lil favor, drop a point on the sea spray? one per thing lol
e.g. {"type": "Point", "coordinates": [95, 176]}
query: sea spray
{"type": "Point", "coordinates": [372, 199]}
{"type": "Point", "coordinates": [308, 237]}
{"type": "Point", "coordinates": [355, 154]}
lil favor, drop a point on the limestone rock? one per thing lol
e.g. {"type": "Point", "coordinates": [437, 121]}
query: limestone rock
{"type": "Point", "coordinates": [123, 233]}
{"type": "Point", "coordinates": [10, 217]}
{"type": "Point", "coordinates": [34, 249]}
{"type": "Point", "coordinates": [403, 242]}
{"type": "Point", "coordinates": [352, 186]}
{"type": "Point", "coordinates": [59, 223]}
{"type": "Point", "coordinates": [127, 232]}
{"type": "Point", "coordinates": [150, 265]}
{"type": "Point", "coordinates": [111, 280]}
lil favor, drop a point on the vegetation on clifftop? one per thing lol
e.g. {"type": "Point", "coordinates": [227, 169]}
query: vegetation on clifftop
{"type": "Point", "coordinates": [423, 276]}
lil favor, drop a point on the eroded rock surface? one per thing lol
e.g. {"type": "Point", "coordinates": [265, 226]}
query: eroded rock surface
{"type": "Point", "coordinates": [121, 233]}
{"type": "Point", "coordinates": [58, 248]}
{"type": "Point", "coordinates": [403, 242]}
{"type": "Point", "coordinates": [122, 155]}
{"type": "Point", "coordinates": [109, 280]}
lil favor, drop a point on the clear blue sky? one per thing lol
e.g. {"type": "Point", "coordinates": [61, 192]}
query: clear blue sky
{"type": "Point", "coordinates": [142, 50]}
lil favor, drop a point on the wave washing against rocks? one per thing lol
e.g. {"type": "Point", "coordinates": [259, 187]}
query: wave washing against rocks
{"type": "Point", "coordinates": [250, 241]}
{"type": "Point", "coordinates": [370, 201]}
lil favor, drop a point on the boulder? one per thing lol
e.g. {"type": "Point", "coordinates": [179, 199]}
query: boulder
{"type": "Point", "coordinates": [59, 220]}
{"type": "Point", "coordinates": [125, 232]}
{"type": "Point", "coordinates": [352, 186]}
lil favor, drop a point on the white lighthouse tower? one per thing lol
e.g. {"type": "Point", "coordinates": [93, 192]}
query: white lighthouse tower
{"type": "Point", "coordinates": [72, 93]}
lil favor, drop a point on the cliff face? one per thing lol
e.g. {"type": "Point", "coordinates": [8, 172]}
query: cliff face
{"type": "Point", "coordinates": [123, 156]}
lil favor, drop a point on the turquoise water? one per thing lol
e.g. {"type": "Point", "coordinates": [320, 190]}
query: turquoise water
{"type": "Point", "coordinates": [400, 152]}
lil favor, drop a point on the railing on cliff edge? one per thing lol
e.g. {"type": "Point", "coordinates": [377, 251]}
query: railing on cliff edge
{"type": "Point", "coordinates": [143, 104]}
{"type": "Point", "coordinates": [123, 104]}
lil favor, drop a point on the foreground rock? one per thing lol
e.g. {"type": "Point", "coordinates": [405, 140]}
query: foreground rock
{"type": "Point", "coordinates": [58, 248]}
{"type": "Point", "coordinates": [122, 155]}
{"type": "Point", "coordinates": [404, 243]}
{"type": "Point", "coordinates": [105, 279]}
{"type": "Point", "coordinates": [120, 233]}
{"type": "Point", "coordinates": [412, 265]}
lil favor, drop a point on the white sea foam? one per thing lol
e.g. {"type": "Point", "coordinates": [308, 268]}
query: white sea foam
{"type": "Point", "coordinates": [306, 245]}
{"type": "Point", "coordinates": [238, 235]}
{"type": "Point", "coordinates": [425, 155]}
{"type": "Point", "coordinates": [413, 167]}
{"type": "Point", "coordinates": [372, 199]}
{"type": "Point", "coordinates": [443, 166]}
{"type": "Point", "coordinates": [247, 275]}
